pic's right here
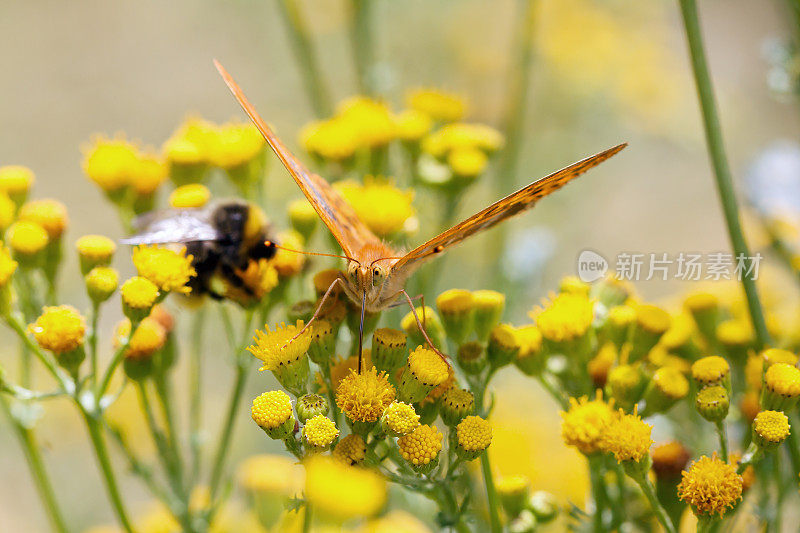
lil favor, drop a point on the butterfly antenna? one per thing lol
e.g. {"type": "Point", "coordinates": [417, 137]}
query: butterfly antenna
{"type": "Point", "coordinates": [422, 328]}
{"type": "Point", "coordinates": [316, 312]}
{"type": "Point", "coordinates": [361, 331]}
{"type": "Point", "coordinates": [384, 258]}
{"type": "Point", "coordinates": [271, 244]}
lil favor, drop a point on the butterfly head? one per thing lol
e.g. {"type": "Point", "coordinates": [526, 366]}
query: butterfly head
{"type": "Point", "coordinates": [367, 278]}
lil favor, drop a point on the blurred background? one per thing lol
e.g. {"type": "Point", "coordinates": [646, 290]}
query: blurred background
{"type": "Point", "coordinates": [602, 72]}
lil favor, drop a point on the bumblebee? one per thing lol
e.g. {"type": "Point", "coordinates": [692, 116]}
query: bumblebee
{"type": "Point", "coordinates": [225, 239]}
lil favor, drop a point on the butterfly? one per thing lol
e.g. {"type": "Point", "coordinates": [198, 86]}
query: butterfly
{"type": "Point", "coordinates": [376, 274]}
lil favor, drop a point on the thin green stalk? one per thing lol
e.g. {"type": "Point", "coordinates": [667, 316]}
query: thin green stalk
{"type": "Point", "coordinates": [723, 439]}
{"type": "Point", "coordinates": [164, 397]}
{"type": "Point", "coordinates": [719, 161]}
{"type": "Point", "coordinates": [165, 453]}
{"type": "Point", "coordinates": [14, 322]}
{"type": "Point", "coordinates": [95, 318]}
{"type": "Point", "coordinates": [491, 494]}
{"type": "Point", "coordinates": [44, 487]}
{"type": "Point", "coordinates": [116, 359]}
{"type": "Point", "coordinates": [598, 493]}
{"type": "Point", "coordinates": [227, 430]}
{"type": "Point", "coordinates": [307, 518]}
{"type": "Point", "coordinates": [195, 388]}
{"type": "Point", "coordinates": [363, 44]}
{"type": "Point", "coordinates": [110, 480]}
{"type": "Point", "coordinates": [658, 509]}
{"type": "Point", "coordinates": [303, 49]}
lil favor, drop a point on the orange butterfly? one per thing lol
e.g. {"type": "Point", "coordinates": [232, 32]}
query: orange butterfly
{"type": "Point", "coordinates": [376, 274]}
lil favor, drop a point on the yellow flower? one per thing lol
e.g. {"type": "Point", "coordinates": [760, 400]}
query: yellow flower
{"type": "Point", "coordinates": [351, 450]}
{"type": "Point", "coordinates": [236, 144]}
{"type": "Point", "coordinates": [371, 120]}
{"type": "Point", "coordinates": [101, 282]}
{"type": "Point", "coordinates": [168, 269]}
{"type": "Point", "coordinates": [710, 370]}
{"type": "Point", "coordinates": [783, 379]}
{"type": "Point", "coordinates": [412, 125]}
{"type": "Point", "coordinates": [27, 238]}
{"type": "Point", "coordinates": [271, 409]}
{"type": "Point", "coordinates": [342, 491]}
{"type": "Point", "coordinates": [671, 382]}
{"type": "Point", "coordinates": [669, 459]}
{"type": "Point", "coordinates": [621, 315]}
{"type": "Point", "coordinates": [652, 319]}
{"type": "Point", "coordinates": [8, 210]}
{"type": "Point", "coordinates": [147, 174]}
{"type": "Point", "coordinates": [96, 248]}
{"type": "Point", "coordinates": [462, 136]}
{"type": "Point", "coordinates": [49, 214]}
{"type": "Point", "coordinates": [379, 204]}
{"type": "Point", "coordinates": [273, 474]}
{"type": "Point", "coordinates": [395, 521]}
{"type": "Point", "coordinates": [7, 265]}
{"type": "Point", "coordinates": [285, 262]}
{"type": "Point", "coordinates": [710, 486]}
{"type": "Point", "coordinates": [192, 195]}
{"type": "Point", "coordinates": [770, 427]}
{"type": "Point", "coordinates": [59, 329]}
{"type": "Point", "coordinates": [399, 419]}
{"type": "Point", "coordinates": [148, 338]}
{"type": "Point", "coordinates": [272, 348]}
{"type": "Point", "coordinates": [439, 105]}
{"type": "Point", "coordinates": [700, 301]}
{"type": "Point", "coordinates": [583, 424]}
{"type": "Point", "coordinates": [626, 436]}
{"type": "Point", "coordinates": [363, 397]}
{"type": "Point", "coordinates": [110, 163]}
{"type": "Point", "coordinates": [334, 139]}
{"type": "Point", "coordinates": [467, 162]}
{"type": "Point", "coordinates": [302, 217]}
{"type": "Point", "coordinates": [16, 180]}
{"type": "Point", "coordinates": [139, 293]}
{"type": "Point", "coordinates": [260, 277]}
{"type": "Point", "coordinates": [421, 446]}
{"type": "Point", "coordinates": [566, 317]}
{"type": "Point", "coordinates": [427, 367]}
{"type": "Point", "coordinates": [735, 332]}
{"type": "Point", "coordinates": [192, 143]}
{"type": "Point", "coordinates": [320, 431]}
{"type": "Point", "coordinates": [776, 355]}
{"type": "Point", "coordinates": [474, 434]}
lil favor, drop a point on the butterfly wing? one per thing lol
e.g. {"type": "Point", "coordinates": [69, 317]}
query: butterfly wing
{"type": "Point", "coordinates": [340, 218]}
{"type": "Point", "coordinates": [511, 205]}
{"type": "Point", "coordinates": [173, 226]}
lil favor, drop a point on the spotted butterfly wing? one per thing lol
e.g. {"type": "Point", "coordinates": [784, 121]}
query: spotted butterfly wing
{"type": "Point", "coordinates": [340, 218]}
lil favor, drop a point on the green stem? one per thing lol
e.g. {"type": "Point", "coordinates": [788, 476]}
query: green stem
{"type": "Point", "coordinates": [723, 439]}
{"type": "Point", "coordinates": [307, 518]}
{"type": "Point", "coordinates": [165, 454]}
{"type": "Point", "coordinates": [14, 323]}
{"type": "Point", "coordinates": [658, 509]}
{"type": "Point", "coordinates": [306, 58]}
{"type": "Point", "coordinates": [227, 430]}
{"type": "Point", "coordinates": [598, 491]}
{"type": "Point", "coordinates": [44, 487]}
{"type": "Point", "coordinates": [195, 388]}
{"type": "Point", "coordinates": [553, 391]}
{"type": "Point", "coordinates": [363, 45]}
{"type": "Point", "coordinates": [119, 355]}
{"type": "Point", "coordinates": [93, 342]}
{"type": "Point", "coordinates": [719, 161]}
{"type": "Point", "coordinates": [101, 451]}
{"type": "Point", "coordinates": [491, 494]}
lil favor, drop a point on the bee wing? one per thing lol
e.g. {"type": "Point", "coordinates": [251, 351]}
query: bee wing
{"type": "Point", "coordinates": [173, 225]}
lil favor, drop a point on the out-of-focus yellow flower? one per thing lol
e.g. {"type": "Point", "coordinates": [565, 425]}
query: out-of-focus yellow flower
{"type": "Point", "coordinates": [7, 265]}
{"type": "Point", "coordinates": [273, 474]}
{"type": "Point", "coordinates": [319, 432]}
{"type": "Point", "coordinates": [101, 282]}
{"type": "Point", "coordinates": [285, 262]}
{"type": "Point", "coordinates": [59, 329]}
{"type": "Point", "coordinates": [333, 140]}
{"type": "Point", "coordinates": [711, 486]}
{"type": "Point", "coordinates": [412, 125]}
{"type": "Point", "coordinates": [16, 180]}
{"type": "Point", "coordinates": [395, 521]}
{"type": "Point", "coordinates": [341, 491]}
{"type": "Point", "coordinates": [147, 174]}
{"type": "Point", "coordinates": [363, 397]}
{"type": "Point", "coordinates": [8, 210]}
{"type": "Point", "coordinates": [439, 105]}
{"type": "Point", "coordinates": [192, 195]}
{"type": "Point", "coordinates": [235, 144]}
{"type": "Point", "coordinates": [462, 136]}
{"type": "Point", "coordinates": [379, 204]}
{"type": "Point", "coordinates": [27, 238]}
{"type": "Point", "coordinates": [148, 338]}
{"type": "Point", "coordinates": [158, 519]}
{"type": "Point", "coordinates": [626, 436]}
{"type": "Point", "coordinates": [669, 459]}
{"type": "Point", "coordinates": [192, 143]}
{"type": "Point", "coordinates": [96, 248]}
{"type": "Point", "coordinates": [421, 446]}
{"type": "Point", "coordinates": [467, 162]}
{"type": "Point", "coordinates": [351, 450]}
{"type": "Point", "coordinates": [110, 163]}
{"type": "Point", "coordinates": [168, 269]}
{"type": "Point", "coordinates": [566, 317]}
{"type": "Point", "coordinates": [583, 424]}
{"type": "Point", "coordinates": [303, 217]}
{"type": "Point", "coordinates": [371, 120]}
{"type": "Point", "coordinates": [49, 214]}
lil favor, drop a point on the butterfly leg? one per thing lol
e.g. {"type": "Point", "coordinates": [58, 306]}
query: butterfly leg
{"type": "Point", "coordinates": [420, 326]}
{"type": "Point", "coordinates": [398, 304]}
{"type": "Point", "coordinates": [318, 309]}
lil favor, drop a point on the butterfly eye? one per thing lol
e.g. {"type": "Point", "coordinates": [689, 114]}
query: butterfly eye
{"type": "Point", "coordinates": [376, 272]}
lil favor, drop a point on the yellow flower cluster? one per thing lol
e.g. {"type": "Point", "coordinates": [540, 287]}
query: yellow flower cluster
{"type": "Point", "coordinates": [626, 436]}
{"type": "Point", "coordinates": [421, 446]}
{"type": "Point", "coordinates": [363, 397]}
{"type": "Point", "coordinates": [384, 208]}
{"type": "Point", "coordinates": [710, 486]}
{"type": "Point", "coordinates": [274, 348]}
{"type": "Point", "coordinates": [168, 269]}
{"type": "Point", "coordinates": [271, 409]}
{"type": "Point", "coordinates": [474, 434]}
{"type": "Point", "coordinates": [566, 317]}
{"type": "Point", "coordinates": [59, 329]}
{"type": "Point", "coordinates": [319, 431]}
{"type": "Point", "coordinates": [343, 491]}
{"type": "Point", "coordinates": [400, 418]}
{"type": "Point", "coordinates": [115, 164]}
{"type": "Point", "coordinates": [583, 424]}
{"type": "Point", "coordinates": [427, 366]}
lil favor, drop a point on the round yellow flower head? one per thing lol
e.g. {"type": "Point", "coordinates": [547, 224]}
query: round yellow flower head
{"type": "Point", "coordinates": [735, 332]}
{"type": "Point", "coordinates": [412, 125]}
{"type": "Point", "coordinates": [455, 404]}
{"type": "Point", "coordinates": [455, 302]}
{"type": "Point", "coordinates": [529, 339]}
{"type": "Point", "coordinates": [372, 121]}
{"type": "Point", "coordinates": [399, 419]}
{"type": "Point", "coordinates": [421, 446]}
{"type": "Point", "coordinates": [7, 265]}
{"type": "Point", "coordinates": [342, 491]}
{"type": "Point", "coordinates": [139, 293]}
{"type": "Point", "coordinates": [669, 459]}
{"type": "Point", "coordinates": [168, 269]}
{"type": "Point", "coordinates": [236, 144]}
{"type": "Point", "coordinates": [438, 105]}
{"type": "Point", "coordinates": [59, 329]}
{"type": "Point", "coordinates": [334, 140]}
{"type": "Point", "coordinates": [101, 282]}
{"type": "Point", "coordinates": [148, 338]}
{"type": "Point", "coordinates": [710, 370]}
{"type": "Point", "coordinates": [270, 473]}
{"type": "Point", "coordinates": [379, 204]}
{"type": "Point", "coordinates": [783, 379]}
{"type": "Point", "coordinates": [467, 162]}
{"type": "Point", "coordinates": [770, 428]}
{"type": "Point", "coordinates": [96, 249]}
{"type": "Point", "coordinates": [285, 262]}
{"type": "Point", "coordinates": [427, 367]}
{"type": "Point", "coordinates": [679, 334]}
{"type": "Point", "coordinates": [49, 214]}
{"type": "Point", "coordinates": [192, 143]}
{"type": "Point", "coordinates": [193, 195]}
{"type": "Point", "coordinates": [147, 175]}
{"type": "Point", "coordinates": [274, 348]}
{"type": "Point", "coordinates": [621, 315]}
{"type": "Point", "coordinates": [652, 319]}
{"type": "Point", "coordinates": [271, 409]}
{"type": "Point", "coordinates": [626, 436]}
{"type": "Point", "coordinates": [26, 238]}
{"type": "Point", "coordinates": [302, 217]}
{"type": "Point", "coordinates": [671, 382]}
{"type": "Point", "coordinates": [363, 397]}
{"type": "Point", "coordinates": [776, 355]}
{"type": "Point", "coordinates": [259, 278]}
{"type": "Point", "coordinates": [16, 180]}
{"type": "Point", "coordinates": [110, 163]}
{"type": "Point", "coordinates": [320, 432]}
{"type": "Point", "coordinates": [474, 434]}
{"type": "Point", "coordinates": [351, 450]}
{"type": "Point", "coordinates": [567, 317]}
{"type": "Point", "coordinates": [710, 486]}
{"type": "Point", "coordinates": [461, 135]}
{"type": "Point", "coordinates": [583, 424]}
{"type": "Point", "coordinates": [8, 210]}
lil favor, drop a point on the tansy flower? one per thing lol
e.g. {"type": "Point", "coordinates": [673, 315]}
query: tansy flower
{"type": "Point", "coordinates": [700, 301]}
{"type": "Point", "coordinates": [735, 332]}
{"type": "Point", "coordinates": [781, 387]}
{"type": "Point", "coordinates": [529, 358]}
{"type": "Point", "coordinates": [669, 459]}
{"type": "Point", "coordinates": [341, 491]}
{"type": "Point", "coordinates": [193, 195]}
{"type": "Point", "coordinates": [110, 163]}
{"type": "Point", "coordinates": [438, 105]}
{"type": "Point", "coordinates": [169, 270]}
{"type": "Point", "coordinates": [363, 397]}
{"type": "Point", "coordinates": [7, 265]}
{"type": "Point", "coordinates": [776, 355]}
{"type": "Point", "coordinates": [626, 436]}
{"type": "Point", "coordinates": [285, 262]}
{"type": "Point", "coordinates": [467, 162]}
{"type": "Point", "coordinates": [286, 360]}
{"type": "Point", "coordinates": [270, 473]}
{"type": "Point", "coordinates": [101, 282]}
{"type": "Point", "coordinates": [625, 384]}
{"type": "Point", "coordinates": [770, 428]}
{"type": "Point", "coordinates": [462, 136]}
{"type": "Point", "coordinates": [334, 140]}
{"type": "Point", "coordinates": [372, 121]}
{"type": "Point", "coordinates": [565, 318]}
{"type": "Point", "coordinates": [148, 338]}
{"type": "Point", "coordinates": [423, 371]}
{"type": "Point", "coordinates": [412, 125]}
{"type": "Point", "coordinates": [302, 217]}
{"type": "Point", "coordinates": [600, 365]}
{"type": "Point", "coordinates": [379, 204]}
{"type": "Point", "coordinates": [311, 405]}
{"type": "Point", "coordinates": [710, 486]}
{"type": "Point", "coordinates": [272, 411]}
{"type": "Point", "coordinates": [16, 180]}
{"type": "Point", "coordinates": [711, 370]}
{"type": "Point", "coordinates": [139, 295]}
{"type": "Point", "coordinates": [399, 419]}
{"type": "Point", "coordinates": [421, 447]}
{"type": "Point", "coordinates": [236, 144]}
{"type": "Point", "coordinates": [8, 210]}
{"type": "Point", "coordinates": [456, 307]}
{"type": "Point", "coordinates": [473, 434]}
{"type": "Point", "coordinates": [489, 306]}
{"type": "Point", "coordinates": [679, 334]}
{"type": "Point", "coordinates": [59, 329]}
{"type": "Point", "coordinates": [583, 424]}
{"type": "Point", "coordinates": [389, 351]}
{"type": "Point", "coordinates": [26, 238]}
{"type": "Point", "coordinates": [191, 144]}
{"type": "Point", "coordinates": [351, 450]}
{"type": "Point", "coordinates": [49, 214]}
{"type": "Point", "coordinates": [260, 277]}
{"type": "Point", "coordinates": [667, 386]}
{"type": "Point", "coordinates": [320, 432]}
{"type": "Point", "coordinates": [455, 404]}
{"type": "Point", "coordinates": [95, 250]}
{"type": "Point", "coordinates": [147, 174]}
{"type": "Point", "coordinates": [514, 492]}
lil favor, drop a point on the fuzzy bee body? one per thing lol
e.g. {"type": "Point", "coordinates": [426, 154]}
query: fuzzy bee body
{"type": "Point", "coordinates": [223, 238]}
